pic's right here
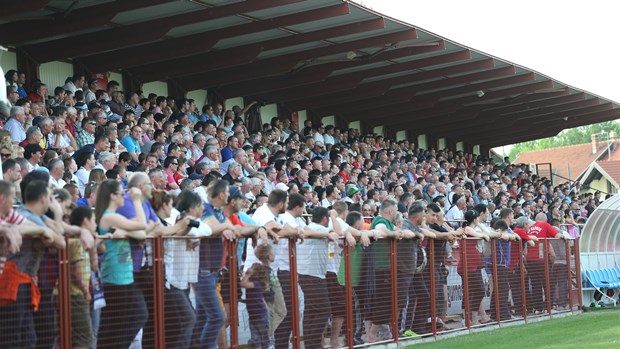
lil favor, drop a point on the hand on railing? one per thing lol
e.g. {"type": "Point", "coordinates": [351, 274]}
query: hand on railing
{"type": "Point", "coordinates": [12, 237]}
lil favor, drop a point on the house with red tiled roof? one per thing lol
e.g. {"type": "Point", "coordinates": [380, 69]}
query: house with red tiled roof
{"type": "Point", "coordinates": [572, 162]}
{"type": "Point", "coordinates": [603, 176]}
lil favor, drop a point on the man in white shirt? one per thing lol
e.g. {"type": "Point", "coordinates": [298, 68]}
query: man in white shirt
{"type": "Point", "coordinates": [311, 269]}
{"type": "Point", "coordinates": [267, 216]}
{"type": "Point", "coordinates": [335, 291]}
{"type": "Point", "coordinates": [88, 163]}
{"type": "Point", "coordinates": [57, 169]}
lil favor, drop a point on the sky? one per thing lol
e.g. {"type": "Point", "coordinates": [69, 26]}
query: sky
{"type": "Point", "coordinates": [575, 42]}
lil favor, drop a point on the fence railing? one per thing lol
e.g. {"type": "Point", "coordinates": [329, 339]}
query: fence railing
{"type": "Point", "coordinates": [371, 294]}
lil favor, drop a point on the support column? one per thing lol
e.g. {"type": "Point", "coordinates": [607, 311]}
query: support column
{"type": "Point", "coordinates": [175, 90]}
{"type": "Point", "coordinates": [441, 143]}
{"type": "Point", "coordinates": [26, 64]}
{"type": "Point", "coordinates": [423, 141]}
{"type": "Point", "coordinates": [460, 146]}
{"type": "Point", "coordinates": [130, 83]}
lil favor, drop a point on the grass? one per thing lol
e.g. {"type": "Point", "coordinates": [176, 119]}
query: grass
{"type": "Point", "coordinates": [594, 329]}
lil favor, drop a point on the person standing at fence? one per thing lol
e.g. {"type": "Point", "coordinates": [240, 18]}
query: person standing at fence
{"type": "Point", "coordinates": [559, 284]}
{"type": "Point", "coordinates": [536, 261]}
{"type": "Point", "coordinates": [124, 314]}
{"type": "Point", "coordinates": [210, 309]}
{"type": "Point", "coordinates": [474, 265]}
{"type": "Point", "coordinates": [406, 259]}
{"type": "Point", "coordinates": [236, 201]}
{"type": "Point", "coordinates": [435, 221]}
{"type": "Point", "coordinates": [20, 269]}
{"type": "Point", "coordinates": [271, 215]}
{"type": "Point", "coordinates": [336, 291]}
{"type": "Point", "coordinates": [79, 264]}
{"type": "Point", "coordinates": [521, 228]}
{"type": "Point", "coordinates": [380, 303]}
{"type": "Point", "coordinates": [180, 262]}
{"type": "Point", "coordinates": [141, 251]}
{"type": "Point", "coordinates": [256, 281]}
{"type": "Point", "coordinates": [311, 269]}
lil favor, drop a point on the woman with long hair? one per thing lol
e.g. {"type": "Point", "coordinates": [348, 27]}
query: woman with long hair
{"type": "Point", "coordinates": [179, 255]}
{"type": "Point", "coordinates": [122, 295]}
{"type": "Point", "coordinates": [474, 264]}
{"type": "Point", "coordinates": [97, 175]}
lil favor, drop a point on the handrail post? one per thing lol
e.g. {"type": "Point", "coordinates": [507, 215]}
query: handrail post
{"type": "Point", "coordinates": [465, 285]}
{"type": "Point", "coordinates": [394, 290]}
{"type": "Point", "coordinates": [547, 282]}
{"type": "Point", "coordinates": [158, 294]}
{"type": "Point", "coordinates": [233, 306]}
{"type": "Point", "coordinates": [348, 294]}
{"type": "Point", "coordinates": [292, 255]}
{"type": "Point", "coordinates": [433, 283]}
{"type": "Point", "coordinates": [578, 271]}
{"type": "Point", "coordinates": [64, 297]}
{"type": "Point", "coordinates": [569, 275]}
{"type": "Point", "coordinates": [495, 282]}
{"type": "Point", "coordinates": [523, 285]}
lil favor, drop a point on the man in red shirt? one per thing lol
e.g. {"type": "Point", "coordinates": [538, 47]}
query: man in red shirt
{"type": "Point", "coordinates": [536, 263]}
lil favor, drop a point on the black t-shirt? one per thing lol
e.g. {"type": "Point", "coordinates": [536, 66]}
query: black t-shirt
{"type": "Point", "coordinates": [440, 245]}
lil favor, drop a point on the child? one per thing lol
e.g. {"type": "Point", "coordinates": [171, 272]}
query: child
{"type": "Point", "coordinates": [80, 264]}
{"type": "Point", "coordinates": [273, 295]}
{"type": "Point", "coordinates": [256, 281]}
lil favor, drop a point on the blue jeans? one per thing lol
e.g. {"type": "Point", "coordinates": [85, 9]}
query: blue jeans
{"type": "Point", "coordinates": [210, 314]}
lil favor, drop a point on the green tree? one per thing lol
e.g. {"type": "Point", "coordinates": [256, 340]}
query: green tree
{"type": "Point", "coordinates": [572, 136]}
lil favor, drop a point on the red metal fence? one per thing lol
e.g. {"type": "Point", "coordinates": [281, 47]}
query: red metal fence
{"type": "Point", "coordinates": [367, 298]}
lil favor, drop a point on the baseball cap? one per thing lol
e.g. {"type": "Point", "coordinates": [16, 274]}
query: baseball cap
{"type": "Point", "coordinates": [235, 193]}
{"type": "Point", "coordinates": [352, 191]}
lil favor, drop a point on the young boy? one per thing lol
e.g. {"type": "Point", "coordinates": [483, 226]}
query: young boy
{"type": "Point", "coordinates": [79, 274]}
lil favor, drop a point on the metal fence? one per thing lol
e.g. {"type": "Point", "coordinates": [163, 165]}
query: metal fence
{"type": "Point", "coordinates": [367, 293]}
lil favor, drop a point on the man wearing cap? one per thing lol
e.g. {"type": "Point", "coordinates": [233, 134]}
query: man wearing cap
{"type": "Point", "coordinates": [354, 195]}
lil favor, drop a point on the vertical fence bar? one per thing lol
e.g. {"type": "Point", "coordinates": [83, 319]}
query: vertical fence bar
{"type": "Point", "coordinates": [348, 296]}
{"type": "Point", "coordinates": [547, 281]}
{"type": "Point", "coordinates": [158, 292]}
{"type": "Point", "coordinates": [434, 301]}
{"type": "Point", "coordinates": [64, 297]}
{"type": "Point", "coordinates": [234, 314]}
{"type": "Point", "coordinates": [495, 282]}
{"type": "Point", "coordinates": [465, 285]}
{"type": "Point", "coordinates": [569, 275]}
{"type": "Point", "coordinates": [523, 283]}
{"type": "Point", "coordinates": [394, 290]}
{"type": "Point", "coordinates": [292, 255]}
{"type": "Point", "coordinates": [578, 271]}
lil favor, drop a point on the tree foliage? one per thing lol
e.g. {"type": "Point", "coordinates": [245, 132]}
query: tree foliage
{"type": "Point", "coordinates": [572, 136]}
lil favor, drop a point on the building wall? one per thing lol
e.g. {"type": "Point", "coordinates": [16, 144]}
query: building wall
{"type": "Point", "coordinates": [8, 61]}
{"type": "Point", "coordinates": [200, 96]}
{"type": "Point", "coordinates": [159, 88]}
{"type": "Point", "coordinates": [231, 102]}
{"type": "Point", "coordinates": [267, 112]}
{"type": "Point", "coordinates": [54, 74]}
{"type": "Point", "coordinates": [118, 77]}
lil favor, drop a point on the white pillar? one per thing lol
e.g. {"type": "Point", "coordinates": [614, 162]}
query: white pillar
{"type": "Point", "coordinates": [423, 141]}
{"type": "Point", "coordinates": [441, 143]}
{"type": "Point", "coordinates": [460, 146]}
{"type": "Point", "coordinates": [302, 117]}
{"type": "Point", "coordinates": [477, 149]}
{"type": "Point", "coordinates": [329, 120]}
{"type": "Point", "coordinates": [401, 135]}
{"type": "Point", "coordinates": [379, 131]}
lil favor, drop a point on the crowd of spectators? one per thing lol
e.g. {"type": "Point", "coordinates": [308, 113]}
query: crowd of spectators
{"type": "Point", "coordinates": [107, 169]}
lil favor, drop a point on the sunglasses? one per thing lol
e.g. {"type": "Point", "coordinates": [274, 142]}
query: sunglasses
{"type": "Point", "coordinates": [5, 155]}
